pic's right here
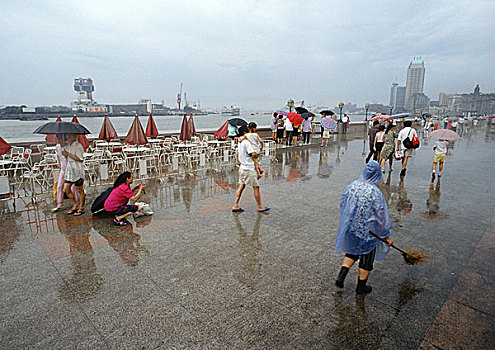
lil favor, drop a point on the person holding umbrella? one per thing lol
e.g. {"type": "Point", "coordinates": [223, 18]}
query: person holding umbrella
{"type": "Point", "coordinates": [61, 176]}
{"type": "Point", "coordinates": [74, 174]}
{"type": "Point", "coordinates": [440, 148]}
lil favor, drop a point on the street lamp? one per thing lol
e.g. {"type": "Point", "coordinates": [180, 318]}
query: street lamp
{"type": "Point", "coordinates": [341, 105]}
{"type": "Point", "coordinates": [391, 108]}
{"type": "Point", "coordinates": [290, 104]}
{"type": "Point", "coordinates": [366, 106]}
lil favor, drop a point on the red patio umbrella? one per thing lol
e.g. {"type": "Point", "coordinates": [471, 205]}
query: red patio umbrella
{"type": "Point", "coordinates": [136, 135]}
{"type": "Point", "coordinates": [221, 134]}
{"type": "Point", "coordinates": [52, 138]}
{"type": "Point", "coordinates": [82, 139]}
{"type": "Point", "coordinates": [295, 118]}
{"type": "Point", "coordinates": [107, 131]}
{"type": "Point", "coordinates": [190, 123]}
{"type": "Point", "coordinates": [151, 130]}
{"type": "Point", "coordinates": [185, 133]}
{"type": "Point", "coordinates": [4, 146]}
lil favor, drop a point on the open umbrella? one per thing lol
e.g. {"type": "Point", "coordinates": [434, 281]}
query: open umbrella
{"type": "Point", "coordinates": [327, 112]}
{"type": "Point", "coordinates": [82, 139]}
{"type": "Point", "coordinates": [400, 115]}
{"type": "Point", "coordinates": [280, 112]}
{"type": "Point", "coordinates": [190, 124]}
{"type": "Point", "coordinates": [107, 131]}
{"type": "Point", "coordinates": [238, 122]}
{"type": "Point", "coordinates": [221, 134]}
{"type": "Point", "coordinates": [445, 134]}
{"type": "Point", "coordinates": [295, 118]}
{"type": "Point", "coordinates": [185, 134]}
{"type": "Point", "coordinates": [328, 123]}
{"type": "Point", "coordinates": [4, 146]}
{"type": "Point", "coordinates": [301, 110]}
{"type": "Point", "coordinates": [52, 138]}
{"type": "Point", "coordinates": [61, 128]}
{"type": "Point", "coordinates": [136, 135]}
{"type": "Point", "coordinates": [380, 117]}
{"type": "Point", "coordinates": [308, 115]}
{"type": "Point", "coordinates": [151, 130]}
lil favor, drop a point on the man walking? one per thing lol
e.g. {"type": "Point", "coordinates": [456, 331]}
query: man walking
{"type": "Point", "coordinates": [406, 132]}
{"type": "Point", "coordinates": [371, 136]}
{"type": "Point", "coordinates": [247, 172]}
{"type": "Point", "coordinates": [345, 121]}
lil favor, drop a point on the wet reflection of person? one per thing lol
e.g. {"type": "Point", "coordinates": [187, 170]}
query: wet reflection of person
{"type": "Point", "coordinates": [363, 209]}
{"type": "Point", "coordinates": [249, 246]}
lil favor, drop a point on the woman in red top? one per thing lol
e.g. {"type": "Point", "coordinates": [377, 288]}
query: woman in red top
{"type": "Point", "coordinates": [116, 203]}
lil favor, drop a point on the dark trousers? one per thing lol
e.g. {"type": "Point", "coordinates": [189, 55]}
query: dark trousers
{"type": "Point", "coordinates": [306, 136]}
{"type": "Point", "coordinates": [372, 153]}
{"type": "Point", "coordinates": [344, 128]}
{"type": "Point", "coordinates": [288, 135]}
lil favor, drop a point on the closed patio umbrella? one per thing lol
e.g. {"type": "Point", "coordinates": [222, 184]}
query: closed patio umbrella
{"type": "Point", "coordinates": [136, 135]}
{"type": "Point", "coordinates": [192, 129]}
{"type": "Point", "coordinates": [82, 139]}
{"type": "Point", "coordinates": [4, 146]}
{"type": "Point", "coordinates": [52, 138]}
{"type": "Point", "coordinates": [151, 129]}
{"type": "Point", "coordinates": [107, 131]}
{"type": "Point", "coordinates": [185, 134]}
{"type": "Point", "coordinates": [221, 134]}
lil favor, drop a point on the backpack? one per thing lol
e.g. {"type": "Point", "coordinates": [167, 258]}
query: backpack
{"type": "Point", "coordinates": [411, 143]}
{"type": "Point", "coordinates": [99, 203]}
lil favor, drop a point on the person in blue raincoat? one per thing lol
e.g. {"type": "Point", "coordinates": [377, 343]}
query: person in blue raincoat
{"type": "Point", "coordinates": [362, 209]}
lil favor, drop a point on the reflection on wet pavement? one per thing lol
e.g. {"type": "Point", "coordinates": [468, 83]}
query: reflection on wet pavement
{"type": "Point", "coordinates": [195, 275]}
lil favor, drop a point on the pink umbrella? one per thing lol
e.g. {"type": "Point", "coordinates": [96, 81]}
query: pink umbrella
{"type": "Point", "coordinates": [136, 135]}
{"type": "Point", "coordinates": [445, 134]}
{"type": "Point", "coordinates": [380, 117]}
{"type": "Point", "coordinates": [82, 139]}
{"type": "Point", "coordinates": [190, 123]}
{"type": "Point", "coordinates": [185, 134]}
{"type": "Point", "coordinates": [151, 130]}
{"type": "Point", "coordinates": [4, 146]}
{"type": "Point", "coordinates": [107, 131]}
{"type": "Point", "coordinates": [52, 138]}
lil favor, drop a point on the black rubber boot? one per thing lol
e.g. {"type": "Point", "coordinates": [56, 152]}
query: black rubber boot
{"type": "Point", "coordinates": [403, 172]}
{"type": "Point", "coordinates": [362, 288]}
{"type": "Point", "coordinates": [339, 282]}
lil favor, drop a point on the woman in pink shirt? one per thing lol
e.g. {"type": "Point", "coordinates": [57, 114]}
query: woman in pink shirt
{"type": "Point", "coordinates": [116, 202]}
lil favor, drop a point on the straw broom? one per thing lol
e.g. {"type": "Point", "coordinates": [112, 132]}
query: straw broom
{"type": "Point", "coordinates": [411, 256]}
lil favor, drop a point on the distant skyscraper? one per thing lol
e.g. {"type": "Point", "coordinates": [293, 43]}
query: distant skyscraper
{"type": "Point", "coordinates": [393, 94]}
{"type": "Point", "coordinates": [415, 81]}
{"type": "Point", "coordinates": [400, 99]}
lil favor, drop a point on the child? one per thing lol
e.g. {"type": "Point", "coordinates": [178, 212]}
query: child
{"type": "Point", "coordinates": [440, 149]}
{"type": "Point", "coordinates": [257, 143]}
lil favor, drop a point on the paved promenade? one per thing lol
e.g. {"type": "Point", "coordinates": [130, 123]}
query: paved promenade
{"type": "Point", "coordinates": [196, 276]}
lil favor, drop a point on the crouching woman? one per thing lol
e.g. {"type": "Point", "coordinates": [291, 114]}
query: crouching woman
{"type": "Point", "coordinates": [116, 203]}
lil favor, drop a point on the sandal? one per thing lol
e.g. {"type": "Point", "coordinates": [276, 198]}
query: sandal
{"type": "Point", "coordinates": [71, 212]}
{"type": "Point", "coordinates": [79, 213]}
{"type": "Point", "coordinates": [119, 222]}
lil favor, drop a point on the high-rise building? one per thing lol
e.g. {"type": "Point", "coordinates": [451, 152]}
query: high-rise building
{"type": "Point", "coordinates": [400, 99]}
{"type": "Point", "coordinates": [393, 94]}
{"type": "Point", "coordinates": [415, 81]}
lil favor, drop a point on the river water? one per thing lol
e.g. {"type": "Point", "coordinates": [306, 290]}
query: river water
{"type": "Point", "coordinates": [15, 130]}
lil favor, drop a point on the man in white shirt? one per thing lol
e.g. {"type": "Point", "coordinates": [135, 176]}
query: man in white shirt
{"type": "Point", "coordinates": [345, 119]}
{"type": "Point", "coordinates": [247, 172]}
{"type": "Point", "coordinates": [289, 129]}
{"type": "Point", "coordinates": [406, 132]}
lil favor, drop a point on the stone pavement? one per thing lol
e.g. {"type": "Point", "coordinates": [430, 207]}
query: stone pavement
{"type": "Point", "coordinates": [196, 276]}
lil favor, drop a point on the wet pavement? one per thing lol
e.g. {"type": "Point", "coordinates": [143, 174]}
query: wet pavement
{"type": "Point", "coordinates": [196, 276]}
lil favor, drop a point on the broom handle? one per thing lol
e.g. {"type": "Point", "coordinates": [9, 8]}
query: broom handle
{"type": "Point", "coordinates": [384, 241]}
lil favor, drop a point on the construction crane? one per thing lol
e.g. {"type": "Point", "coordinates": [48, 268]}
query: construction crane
{"type": "Point", "coordinates": [179, 96]}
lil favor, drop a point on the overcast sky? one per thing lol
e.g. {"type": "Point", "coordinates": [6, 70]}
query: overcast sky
{"type": "Point", "coordinates": [255, 54]}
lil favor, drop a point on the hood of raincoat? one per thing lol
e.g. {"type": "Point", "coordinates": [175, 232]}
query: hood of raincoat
{"type": "Point", "coordinates": [372, 173]}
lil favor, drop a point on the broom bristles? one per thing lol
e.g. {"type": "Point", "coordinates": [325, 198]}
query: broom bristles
{"type": "Point", "coordinates": [413, 257]}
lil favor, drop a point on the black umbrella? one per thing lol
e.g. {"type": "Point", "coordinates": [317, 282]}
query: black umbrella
{"type": "Point", "coordinates": [62, 128]}
{"type": "Point", "coordinates": [327, 112]}
{"type": "Point", "coordinates": [307, 115]}
{"type": "Point", "coordinates": [301, 110]}
{"type": "Point", "coordinates": [237, 122]}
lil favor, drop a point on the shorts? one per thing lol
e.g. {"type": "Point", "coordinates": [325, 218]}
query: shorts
{"type": "Point", "coordinates": [326, 134]}
{"type": "Point", "coordinates": [280, 133]}
{"type": "Point", "coordinates": [409, 152]}
{"type": "Point", "coordinates": [379, 146]}
{"type": "Point", "coordinates": [365, 261]}
{"type": "Point", "coordinates": [124, 209]}
{"type": "Point", "coordinates": [77, 183]}
{"type": "Point", "coordinates": [439, 158]}
{"type": "Point", "coordinates": [248, 177]}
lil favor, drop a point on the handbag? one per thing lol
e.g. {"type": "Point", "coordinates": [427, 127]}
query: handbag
{"type": "Point", "coordinates": [398, 155]}
{"type": "Point", "coordinates": [411, 143]}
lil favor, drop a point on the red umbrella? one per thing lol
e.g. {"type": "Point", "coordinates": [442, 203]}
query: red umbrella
{"type": "Point", "coordinates": [82, 139]}
{"type": "Point", "coordinates": [185, 133]}
{"type": "Point", "coordinates": [295, 118]}
{"type": "Point", "coordinates": [52, 138]}
{"type": "Point", "coordinates": [4, 146]}
{"type": "Point", "coordinates": [190, 123]}
{"type": "Point", "coordinates": [151, 130]}
{"type": "Point", "coordinates": [136, 135]}
{"type": "Point", "coordinates": [107, 131]}
{"type": "Point", "coordinates": [221, 134]}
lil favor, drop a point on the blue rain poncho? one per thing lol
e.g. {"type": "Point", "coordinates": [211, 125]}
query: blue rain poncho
{"type": "Point", "coordinates": [362, 209]}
